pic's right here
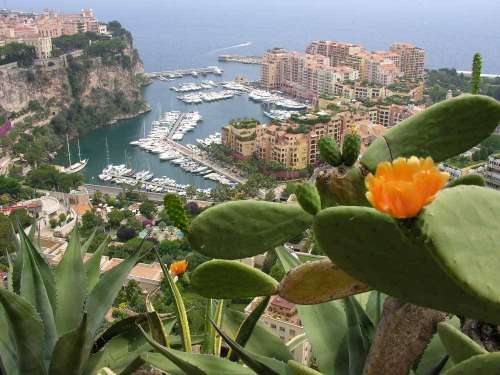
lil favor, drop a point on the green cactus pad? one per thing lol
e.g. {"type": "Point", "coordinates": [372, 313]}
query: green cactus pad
{"type": "Point", "coordinates": [317, 282]}
{"type": "Point", "coordinates": [447, 259]}
{"type": "Point", "coordinates": [470, 179]}
{"type": "Point", "coordinates": [342, 186]}
{"type": "Point", "coordinates": [351, 147]}
{"type": "Point", "coordinates": [231, 279]}
{"type": "Point", "coordinates": [242, 229]}
{"type": "Point", "coordinates": [441, 131]}
{"type": "Point", "coordinates": [329, 151]}
{"type": "Point", "coordinates": [458, 345]}
{"type": "Point", "coordinates": [484, 364]}
{"type": "Point", "coordinates": [308, 198]}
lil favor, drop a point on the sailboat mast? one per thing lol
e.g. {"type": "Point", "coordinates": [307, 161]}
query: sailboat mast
{"type": "Point", "coordinates": [69, 153]}
{"type": "Point", "coordinates": [107, 152]}
{"type": "Point", "coordinates": [79, 152]}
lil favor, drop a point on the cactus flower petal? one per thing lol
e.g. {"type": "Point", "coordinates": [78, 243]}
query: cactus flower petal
{"type": "Point", "coordinates": [401, 188]}
{"type": "Point", "coordinates": [178, 268]}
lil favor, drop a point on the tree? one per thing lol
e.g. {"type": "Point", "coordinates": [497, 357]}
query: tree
{"type": "Point", "coordinates": [23, 216]}
{"type": "Point", "coordinates": [62, 218]}
{"type": "Point", "coordinates": [97, 197]}
{"type": "Point", "coordinates": [125, 233]}
{"type": "Point", "coordinates": [270, 196]}
{"type": "Point", "coordinates": [53, 223]}
{"type": "Point", "coordinates": [476, 73]}
{"type": "Point", "coordinates": [115, 217]}
{"type": "Point", "coordinates": [148, 209]}
{"type": "Point", "coordinates": [193, 208]}
{"type": "Point", "coordinates": [90, 221]}
{"type": "Point", "coordinates": [190, 191]}
{"type": "Point", "coordinates": [9, 185]}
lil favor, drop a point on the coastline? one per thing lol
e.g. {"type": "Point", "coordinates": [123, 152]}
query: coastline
{"type": "Point", "coordinates": [131, 115]}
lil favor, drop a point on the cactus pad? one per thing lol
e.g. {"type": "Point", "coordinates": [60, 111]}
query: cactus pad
{"type": "Point", "coordinates": [447, 259]}
{"type": "Point", "coordinates": [458, 345]}
{"type": "Point", "coordinates": [308, 198]}
{"type": "Point", "coordinates": [470, 179]}
{"type": "Point", "coordinates": [231, 279]}
{"type": "Point", "coordinates": [441, 131]}
{"type": "Point", "coordinates": [242, 229]}
{"type": "Point", "coordinates": [484, 364]}
{"type": "Point", "coordinates": [329, 151]}
{"type": "Point", "coordinates": [317, 282]}
{"type": "Point", "coordinates": [342, 186]}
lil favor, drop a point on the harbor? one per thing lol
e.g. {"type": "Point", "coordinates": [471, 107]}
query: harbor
{"type": "Point", "coordinates": [180, 73]}
{"type": "Point", "coordinates": [240, 59]}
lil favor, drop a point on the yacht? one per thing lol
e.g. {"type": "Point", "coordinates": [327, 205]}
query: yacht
{"type": "Point", "coordinates": [78, 166]}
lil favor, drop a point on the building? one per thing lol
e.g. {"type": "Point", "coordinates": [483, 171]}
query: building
{"type": "Point", "coordinates": [291, 143]}
{"type": "Point", "coordinates": [272, 68]}
{"type": "Point", "coordinates": [390, 115]}
{"type": "Point", "coordinates": [492, 172]}
{"type": "Point", "coordinates": [239, 136]}
{"type": "Point", "coordinates": [43, 46]}
{"type": "Point", "coordinates": [50, 24]}
{"type": "Point", "coordinates": [281, 318]}
{"type": "Point", "coordinates": [80, 22]}
{"type": "Point", "coordinates": [411, 60]}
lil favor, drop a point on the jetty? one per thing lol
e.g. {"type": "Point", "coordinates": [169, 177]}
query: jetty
{"type": "Point", "coordinates": [241, 59]}
{"type": "Point", "coordinates": [179, 73]}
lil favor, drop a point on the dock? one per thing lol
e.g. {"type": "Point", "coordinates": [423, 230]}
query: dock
{"type": "Point", "coordinates": [201, 160]}
{"type": "Point", "coordinates": [176, 125]}
{"type": "Point", "coordinates": [241, 59]}
{"type": "Point", "coordinates": [178, 73]}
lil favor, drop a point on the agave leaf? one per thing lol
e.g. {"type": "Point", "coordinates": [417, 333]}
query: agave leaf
{"type": "Point", "coordinates": [483, 364]}
{"type": "Point", "coordinates": [296, 368]}
{"type": "Point", "coordinates": [10, 284]}
{"type": "Point", "coordinates": [8, 353]}
{"type": "Point", "coordinates": [240, 229]}
{"type": "Point", "coordinates": [218, 319]}
{"type": "Point", "coordinates": [210, 280]}
{"type": "Point", "coordinates": [156, 328]}
{"type": "Point", "coordinates": [210, 333]}
{"type": "Point", "coordinates": [262, 341]}
{"type": "Point", "coordinates": [193, 364]}
{"type": "Point", "coordinates": [458, 345]}
{"type": "Point", "coordinates": [248, 325]}
{"type": "Point", "coordinates": [28, 336]}
{"type": "Point", "coordinates": [71, 351]}
{"type": "Point", "coordinates": [93, 266]}
{"type": "Point", "coordinates": [296, 341]}
{"type": "Point", "coordinates": [325, 326]}
{"type": "Point", "coordinates": [180, 309]}
{"type": "Point", "coordinates": [358, 344]}
{"type": "Point", "coordinates": [88, 242]}
{"type": "Point", "coordinates": [374, 306]}
{"type": "Point", "coordinates": [70, 282]}
{"type": "Point", "coordinates": [107, 288]}
{"type": "Point", "coordinates": [37, 288]}
{"type": "Point", "coordinates": [261, 365]}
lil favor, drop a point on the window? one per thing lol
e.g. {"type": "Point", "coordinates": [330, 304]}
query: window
{"type": "Point", "coordinates": [273, 326]}
{"type": "Point", "coordinates": [282, 329]}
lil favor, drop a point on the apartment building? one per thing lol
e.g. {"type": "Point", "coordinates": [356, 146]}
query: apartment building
{"type": "Point", "coordinates": [359, 91]}
{"type": "Point", "coordinates": [272, 68]}
{"type": "Point", "coordinates": [390, 115]}
{"type": "Point", "coordinates": [282, 319]}
{"type": "Point", "coordinates": [43, 46]}
{"type": "Point", "coordinates": [492, 172]}
{"type": "Point", "coordinates": [412, 60]}
{"type": "Point", "coordinates": [292, 143]}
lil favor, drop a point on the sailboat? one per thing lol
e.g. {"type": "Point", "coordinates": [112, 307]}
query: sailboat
{"type": "Point", "coordinates": [76, 167]}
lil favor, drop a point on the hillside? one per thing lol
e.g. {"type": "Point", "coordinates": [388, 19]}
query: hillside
{"type": "Point", "coordinates": [92, 82]}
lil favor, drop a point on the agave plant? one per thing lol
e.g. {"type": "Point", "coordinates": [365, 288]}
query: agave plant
{"type": "Point", "coordinates": [440, 254]}
{"type": "Point", "coordinates": [50, 318]}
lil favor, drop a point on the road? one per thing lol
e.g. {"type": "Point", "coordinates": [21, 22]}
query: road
{"type": "Point", "coordinates": [202, 160]}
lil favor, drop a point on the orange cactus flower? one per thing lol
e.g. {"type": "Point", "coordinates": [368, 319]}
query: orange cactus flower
{"type": "Point", "coordinates": [402, 188]}
{"type": "Point", "coordinates": [178, 268]}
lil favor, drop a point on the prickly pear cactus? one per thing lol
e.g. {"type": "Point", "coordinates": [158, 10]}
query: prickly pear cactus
{"type": "Point", "coordinates": [342, 186]}
{"type": "Point", "coordinates": [444, 130]}
{"type": "Point", "coordinates": [446, 259]}
{"type": "Point", "coordinates": [329, 151]}
{"type": "Point", "coordinates": [351, 146]}
{"type": "Point", "coordinates": [308, 198]}
{"type": "Point", "coordinates": [174, 205]}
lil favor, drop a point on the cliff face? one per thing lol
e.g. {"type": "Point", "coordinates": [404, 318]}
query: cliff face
{"type": "Point", "coordinates": [60, 82]}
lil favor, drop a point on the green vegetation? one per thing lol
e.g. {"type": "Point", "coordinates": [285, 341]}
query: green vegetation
{"type": "Point", "coordinates": [49, 178]}
{"type": "Point", "coordinates": [69, 43]}
{"type": "Point", "coordinates": [438, 82]}
{"type": "Point", "coordinates": [21, 53]}
{"type": "Point", "coordinates": [310, 119]}
{"type": "Point", "coordinates": [249, 123]}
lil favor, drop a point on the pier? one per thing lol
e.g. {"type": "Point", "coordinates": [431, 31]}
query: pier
{"type": "Point", "coordinates": [176, 125]}
{"type": "Point", "coordinates": [241, 59]}
{"type": "Point", "coordinates": [178, 73]}
{"type": "Point", "coordinates": [189, 153]}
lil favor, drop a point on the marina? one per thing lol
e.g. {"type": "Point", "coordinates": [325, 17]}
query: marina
{"type": "Point", "coordinates": [180, 73]}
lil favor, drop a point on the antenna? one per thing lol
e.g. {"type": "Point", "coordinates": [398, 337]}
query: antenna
{"type": "Point", "coordinates": [69, 153]}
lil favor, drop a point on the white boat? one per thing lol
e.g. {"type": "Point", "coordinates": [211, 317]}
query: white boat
{"type": "Point", "coordinates": [75, 167]}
